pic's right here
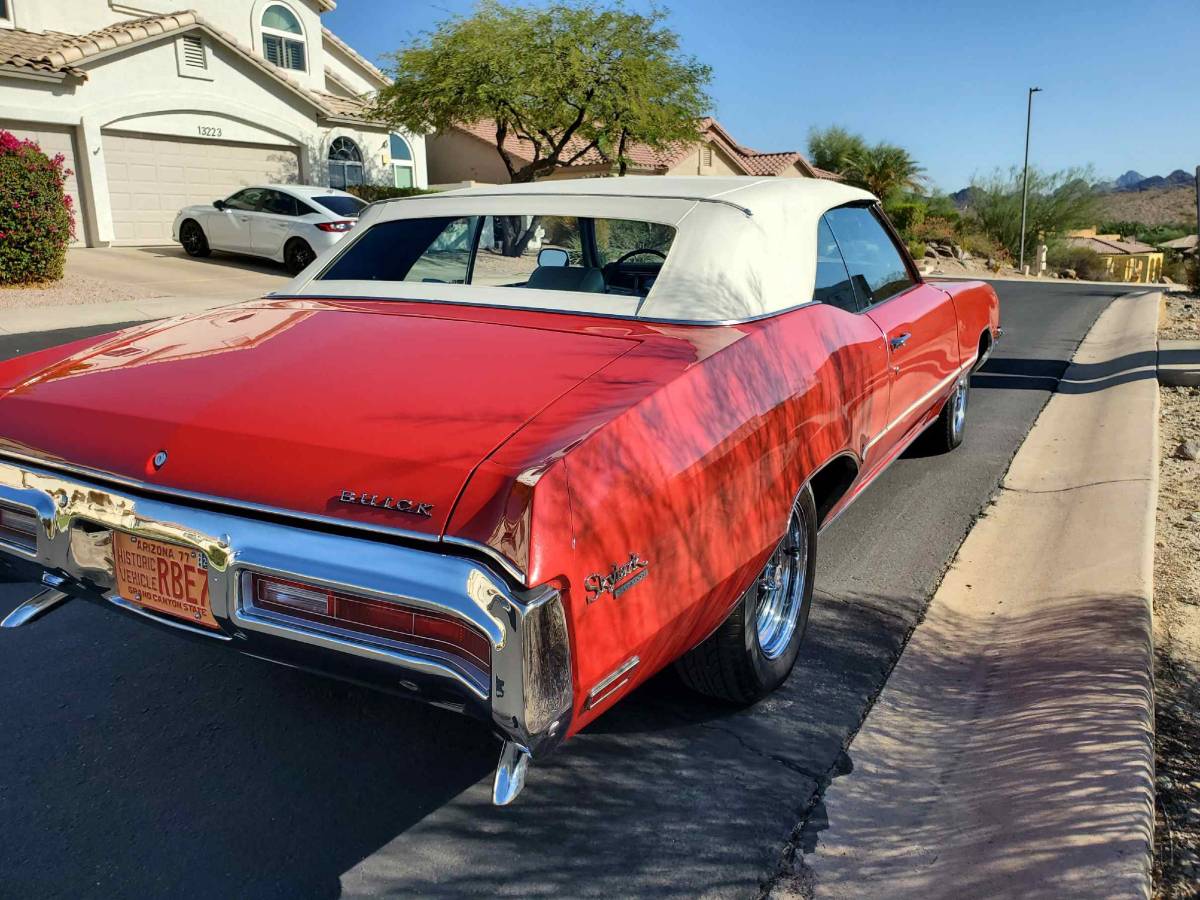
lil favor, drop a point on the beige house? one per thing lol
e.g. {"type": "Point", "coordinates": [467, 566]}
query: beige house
{"type": "Point", "coordinates": [468, 154]}
{"type": "Point", "coordinates": [1128, 261]}
{"type": "Point", "coordinates": [155, 108]}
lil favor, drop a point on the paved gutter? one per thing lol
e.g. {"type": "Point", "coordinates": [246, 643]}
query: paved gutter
{"type": "Point", "coordinates": [1010, 754]}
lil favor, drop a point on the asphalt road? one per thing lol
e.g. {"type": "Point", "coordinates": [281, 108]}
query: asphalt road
{"type": "Point", "coordinates": [136, 764]}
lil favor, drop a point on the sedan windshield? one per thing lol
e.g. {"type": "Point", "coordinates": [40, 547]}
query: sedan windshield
{"type": "Point", "coordinates": [340, 205]}
{"type": "Point", "coordinates": [563, 253]}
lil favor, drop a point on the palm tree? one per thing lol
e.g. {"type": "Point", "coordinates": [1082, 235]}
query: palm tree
{"type": "Point", "coordinates": [884, 170]}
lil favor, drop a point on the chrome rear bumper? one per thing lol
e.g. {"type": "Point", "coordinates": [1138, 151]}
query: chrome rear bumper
{"type": "Point", "coordinates": [526, 696]}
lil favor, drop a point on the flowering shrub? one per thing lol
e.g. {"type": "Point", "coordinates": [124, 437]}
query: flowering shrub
{"type": "Point", "coordinates": [36, 219]}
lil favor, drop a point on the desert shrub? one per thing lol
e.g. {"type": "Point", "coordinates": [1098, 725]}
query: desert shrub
{"type": "Point", "coordinates": [907, 214]}
{"type": "Point", "coordinates": [1087, 264]}
{"type": "Point", "coordinates": [980, 245]}
{"type": "Point", "coordinates": [916, 249]}
{"type": "Point", "coordinates": [1058, 202]}
{"type": "Point", "coordinates": [1177, 270]}
{"type": "Point", "coordinates": [1147, 234]}
{"type": "Point", "coordinates": [36, 222]}
{"type": "Point", "coordinates": [935, 230]}
{"type": "Point", "coordinates": [372, 192]}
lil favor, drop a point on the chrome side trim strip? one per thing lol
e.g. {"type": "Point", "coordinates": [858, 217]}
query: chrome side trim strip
{"type": "Point", "coordinates": [921, 401]}
{"type": "Point", "coordinates": [532, 199]}
{"type": "Point", "coordinates": [236, 506]}
{"type": "Point", "coordinates": [611, 683]}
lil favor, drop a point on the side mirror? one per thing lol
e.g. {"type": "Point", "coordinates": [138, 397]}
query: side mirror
{"type": "Point", "coordinates": [553, 257]}
{"type": "Point", "coordinates": [219, 204]}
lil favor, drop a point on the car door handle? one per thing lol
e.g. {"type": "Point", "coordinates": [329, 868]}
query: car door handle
{"type": "Point", "coordinates": [900, 340]}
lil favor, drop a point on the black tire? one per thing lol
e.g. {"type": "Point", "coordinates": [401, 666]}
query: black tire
{"type": "Point", "coordinates": [297, 255]}
{"type": "Point", "coordinates": [731, 664]}
{"type": "Point", "coordinates": [947, 432]}
{"type": "Point", "coordinates": [193, 240]}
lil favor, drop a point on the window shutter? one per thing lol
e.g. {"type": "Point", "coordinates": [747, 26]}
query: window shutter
{"type": "Point", "coordinates": [295, 55]}
{"type": "Point", "coordinates": [193, 52]}
{"type": "Point", "coordinates": [273, 49]}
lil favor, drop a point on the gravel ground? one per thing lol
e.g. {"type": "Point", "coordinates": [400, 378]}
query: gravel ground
{"type": "Point", "coordinates": [73, 290]}
{"type": "Point", "coordinates": [1177, 630]}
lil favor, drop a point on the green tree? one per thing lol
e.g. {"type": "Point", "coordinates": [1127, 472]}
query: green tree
{"type": "Point", "coordinates": [884, 169]}
{"type": "Point", "coordinates": [1058, 201]}
{"type": "Point", "coordinates": [834, 148]}
{"type": "Point", "coordinates": [567, 80]}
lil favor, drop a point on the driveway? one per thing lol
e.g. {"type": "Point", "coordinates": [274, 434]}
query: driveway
{"type": "Point", "coordinates": [169, 272]}
{"type": "Point", "coordinates": [140, 764]}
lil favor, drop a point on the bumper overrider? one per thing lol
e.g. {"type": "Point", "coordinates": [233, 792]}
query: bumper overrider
{"type": "Point", "coordinates": [61, 529]}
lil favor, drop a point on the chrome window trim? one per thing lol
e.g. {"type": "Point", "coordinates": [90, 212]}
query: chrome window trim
{"type": "Point", "coordinates": [653, 320]}
{"type": "Point", "coordinates": [152, 490]}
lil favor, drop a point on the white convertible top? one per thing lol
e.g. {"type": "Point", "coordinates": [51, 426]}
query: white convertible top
{"type": "Point", "coordinates": [744, 247]}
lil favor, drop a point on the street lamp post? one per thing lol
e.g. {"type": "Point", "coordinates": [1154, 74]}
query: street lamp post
{"type": "Point", "coordinates": [1025, 179]}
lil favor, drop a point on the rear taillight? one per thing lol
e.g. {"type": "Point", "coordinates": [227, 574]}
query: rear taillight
{"type": "Point", "coordinates": [384, 619]}
{"type": "Point", "coordinates": [342, 225]}
{"type": "Point", "coordinates": [18, 529]}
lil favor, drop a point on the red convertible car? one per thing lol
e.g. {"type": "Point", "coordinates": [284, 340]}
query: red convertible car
{"type": "Point", "coordinates": [506, 450]}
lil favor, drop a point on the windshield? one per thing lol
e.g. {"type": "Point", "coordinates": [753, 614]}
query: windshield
{"type": "Point", "coordinates": [340, 205]}
{"type": "Point", "coordinates": [539, 252]}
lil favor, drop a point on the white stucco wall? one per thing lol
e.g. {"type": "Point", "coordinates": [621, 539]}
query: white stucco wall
{"type": "Point", "coordinates": [239, 18]}
{"type": "Point", "coordinates": [140, 89]}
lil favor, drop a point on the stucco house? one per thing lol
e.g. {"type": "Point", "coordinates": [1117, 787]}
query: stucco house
{"type": "Point", "coordinates": [157, 108]}
{"type": "Point", "coordinates": [468, 153]}
{"type": "Point", "coordinates": [1124, 260]}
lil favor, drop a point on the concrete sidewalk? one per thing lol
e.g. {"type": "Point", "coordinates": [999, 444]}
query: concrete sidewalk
{"type": "Point", "coordinates": [1011, 752]}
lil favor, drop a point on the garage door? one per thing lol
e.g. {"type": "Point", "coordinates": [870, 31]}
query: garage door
{"type": "Point", "coordinates": [150, 178]}
{"type": "Point", "coordinates": [55, 139]}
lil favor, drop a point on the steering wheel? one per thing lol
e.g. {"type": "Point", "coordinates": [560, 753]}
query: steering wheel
{"type": "Point", "coordinates": [616, 264]}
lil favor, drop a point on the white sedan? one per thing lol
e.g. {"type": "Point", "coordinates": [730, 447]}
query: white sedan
{"type": "Point", "coordinates": [291, 224]}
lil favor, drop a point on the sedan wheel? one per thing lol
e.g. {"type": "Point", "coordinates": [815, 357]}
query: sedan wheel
{"type": "Point", "coordinates": [191, 236]}
{"type": "Point", "coordinates": [947, 433]}
{"type": "Point", "coordinates": [754, 650]}
{"type": "Point", "coordinates": [298, 256]}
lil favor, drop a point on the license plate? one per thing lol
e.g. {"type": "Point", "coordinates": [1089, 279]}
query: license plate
{"type": "Point", "coordinates": [163, 578]}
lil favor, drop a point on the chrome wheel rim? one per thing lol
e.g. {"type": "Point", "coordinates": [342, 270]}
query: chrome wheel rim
{"type": "Point", "coordinates": [959, 412]}
{"type": "Point", "coordinates": [780, 589]}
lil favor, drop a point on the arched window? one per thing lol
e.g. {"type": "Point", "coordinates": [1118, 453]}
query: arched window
{"type": "Point", "coordinates": [283, 38]}
{"type": "Point", "coordinates": [345, 163]}
{"type": "Point", "coordinates": [402, 162]}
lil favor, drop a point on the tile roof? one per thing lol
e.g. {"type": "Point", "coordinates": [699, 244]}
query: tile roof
{"type": "Point", "coordinates": [643, 157]}
{"type": "Point", "coordinates": [1111, 247]}
{"type": "Point", "coordinates": [57, 53]}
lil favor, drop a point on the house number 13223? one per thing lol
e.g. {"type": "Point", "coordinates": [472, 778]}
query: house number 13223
{"type": "Point", "coordinates": [209, 131]}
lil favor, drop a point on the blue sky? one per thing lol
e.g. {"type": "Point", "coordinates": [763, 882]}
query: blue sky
{"type": "Point", "coordinates": [947, 80]}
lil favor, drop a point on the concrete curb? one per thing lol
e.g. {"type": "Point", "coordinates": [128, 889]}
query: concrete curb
{"type": "Point", "coordinates": [1179, 363]}
{"type": "Point", "coordinates": [1011, 753]}
{"type": "Point", "coordinates": [25, 320]}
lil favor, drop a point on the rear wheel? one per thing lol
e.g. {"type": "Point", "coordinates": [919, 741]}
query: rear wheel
{"type": "Point", "coordinates": [191, 236]}
{"type": "Point", "coordinates": [947, 433]}
{"type": "Point", "coordinates": [754, 650]}
{"type": "Point", "coordinates": [297, 255]}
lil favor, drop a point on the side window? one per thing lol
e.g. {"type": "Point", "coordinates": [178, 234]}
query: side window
{"type": "Point", "coordinates": [279, 204]}
{"type": "Point", "coordinates": [434, 249]}
{"type": "Point", "coordinates": [249, 200]}
{"type": "Point", "coordinates": [833, 281]}
{"type": "Point", "coordinates": [876, 265]}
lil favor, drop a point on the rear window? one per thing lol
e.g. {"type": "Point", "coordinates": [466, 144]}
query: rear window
{"type": "Point", "coordinates": [339, 205]}
{"type": "Point", "coordinates": [565, 253]}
